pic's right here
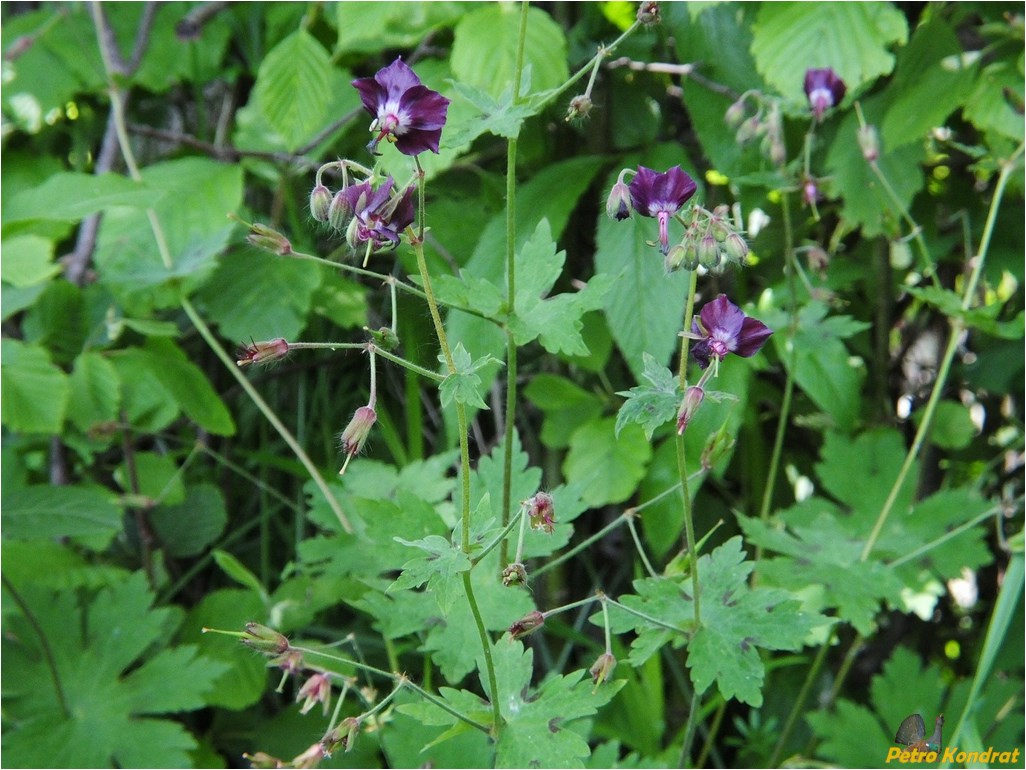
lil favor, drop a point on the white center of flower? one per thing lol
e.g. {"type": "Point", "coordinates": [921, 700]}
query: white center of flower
{"type": "Point", "coordinates": [393, 119]}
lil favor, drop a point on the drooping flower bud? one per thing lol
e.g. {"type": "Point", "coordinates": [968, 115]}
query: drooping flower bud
{"type": "Point", "coordinates": [310, 758]}
{"type": "Point", "coordinates": [340, 211]}
{"type": "Point", "coordinates": [262, 352]}
{"type": "Point", "coordinates": [618, 204]}
{"type": "Point", "coordinates": [810, 192]}
{"type": "Point", "coordinates": [320, 202]}
{"type": "Point", "coordinates": [263, 760]}
{"type": "Point", "coordinates": [824, 90]}
{"type": "Point", "coordinates": [735, 249]}
{"type": "Point", "coordinates": [355, 435]}
{"type": "Point", "coordinates": [869, 143]}
{"type": "Point", "coordinates": [693, 398]}
{"type": "Point", "coordinates": [735, 114]}
{"type": "Point", "coordinates": [531, 622]}
{"type": "Point", "coordinates": [748, 130]}
{"type": "Point", "coordinates": [708, 252]}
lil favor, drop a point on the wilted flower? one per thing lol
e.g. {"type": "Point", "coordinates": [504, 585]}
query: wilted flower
{"type": "Point", "coordinates": [355, 435]}
{"type": "Point", "coordinates": [316, 689]}
{"type": "Point", "coordinates": [264, 639]}
{"type": "Point", "coordinates": [540, 512]}
{"type": "Point", "coordinates": [824, 89]}
{"type": "Point", "coordinates": [648, 12]}
{"type": "Point", "coordinates": [378, 215]}
{"type": "Point", "coordinates": [661, 196]}
{"type": "Point", "coordinates": [603, 667]}
{"type": "Point", "coordinates": [722, 328]}
{"type": "Point", "coordinates": [514, 575]}
{"type": "Point", "coordinates": [343, 736]}
{"type": "Point", "coordinates": [405, 112]}
{"type": "Point", "coordinates": [530, 622]}
{"type": "Point", "coordinates": [262, 352]}
{"type": "Point", "coordinates": [269, 239]}
{"type": "Point", "coordinates": [264, 760]}
{"type": "Point", "coordinates": [580, 108]}
{"type": "Point", "coordinates": [310, 758]}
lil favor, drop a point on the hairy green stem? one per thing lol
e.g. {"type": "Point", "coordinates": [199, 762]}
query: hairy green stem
{"type": "Point", "coordinates": [791, 263]}
{"type": "Point", "coordinates": [509, 420]}
{"type": "Point", "coordinates": [461, 419]}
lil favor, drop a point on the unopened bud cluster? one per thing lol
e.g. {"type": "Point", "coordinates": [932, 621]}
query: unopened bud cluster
{"type": "Point", "coordinates": [710, 241]}
{"type": "Point", "coordinates": [765, 123]}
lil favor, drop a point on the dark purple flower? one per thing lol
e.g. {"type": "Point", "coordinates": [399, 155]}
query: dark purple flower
{"type": "Point", "coordinates": [378, 215]}
{"type": "Point", "coordinates": [406, 112]}
{"type": "Point", "coordinates": [824, 89]}
{"type": "Point", "coordinates": [661, 196]}
{"type": "Point", "coordinates": [722, 328]}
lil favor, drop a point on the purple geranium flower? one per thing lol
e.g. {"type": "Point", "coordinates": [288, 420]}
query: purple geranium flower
{"type": "Point", "coordinates": [409, 114]}
{"type": "Point", "coordinates": [661, 196]}
{"type": "Point", "coordinates": [824, 89]}
{"type": "Point", "coordinates": [722, 328]}
{"type": "Point", "coordinates": [378, 215]}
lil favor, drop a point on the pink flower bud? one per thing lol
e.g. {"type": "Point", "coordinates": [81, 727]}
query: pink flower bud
{"type": "Point", "coordinates": [618, 204]}
{"type": "Point", "coordinates": [693, 398]}
{"type": "Point", "coordinates": [355, 435]}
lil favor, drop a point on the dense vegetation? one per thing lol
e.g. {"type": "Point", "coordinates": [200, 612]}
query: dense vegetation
{"type": "Point", "coordinates": [603, 288]}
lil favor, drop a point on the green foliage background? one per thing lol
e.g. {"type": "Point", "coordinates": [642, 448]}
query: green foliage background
{"type": "Point", "coordinates": [146, 494]}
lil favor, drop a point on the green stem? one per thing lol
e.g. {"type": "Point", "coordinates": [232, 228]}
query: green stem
{"type": "Point", "coordinates": [640, 549]}
{"type": "Point", "coordinates": [798, 707]}
{"type": "Point", "coordinates": [583, 545]}
{"type": "Point", "coordinates": [957, 326]}
{"type": "Point", "coordinates": [592, 66]}
{"type": "Point", "coordinates": [511, 291]}
{"type": "Point", "coordinates": [461, 419]}
{"type": "Point", "coordinates": [267, 412]}
{"type": "Point", "coordinates": [785, 407]}
{"type": "Point", "coordinates": [647, 618]}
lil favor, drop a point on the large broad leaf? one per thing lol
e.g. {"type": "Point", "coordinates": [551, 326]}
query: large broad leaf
{"type": "Point", "coordinates": [268, 296]}
{"type": "Point", "coordinates": [925, 90]}
{"type": "Point", "coordinates": [46, 512]}
{"type": "Point", "coordinates": [109, 692]}
{"type": "Point", "coordinates": [608, 465]}
{"type": "Point", "coordinates": [72, 196]}
{"type": "Point", "coordinates": [35, 392]}
{"type": "Point", "coordinates": [736, 620]}
{"type": "Point", "coordinates": [485, 46]}
{"type": "Point", "coordinates": [187, 528]}
{"type": "Point", "coordinates": [378, 26]}
{"type": "Point", "coordinates": [193, 215]}
{"type": "Point", "coordinates": [28, 261]}
{"type": "Point", "coordinates": [852, 38]}
{"type": "Point", "coordinates": [537, 730]}
{"type": "Point", "coordinates": [95, 391]}
{"type": "Point", "coordinates": [292, 87]}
